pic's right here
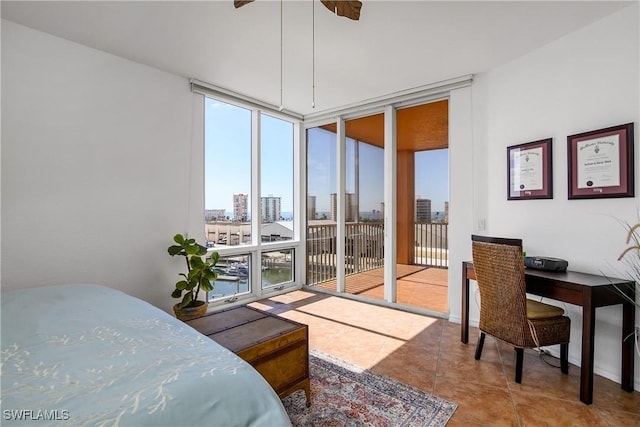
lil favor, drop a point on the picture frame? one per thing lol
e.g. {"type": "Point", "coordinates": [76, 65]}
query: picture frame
{"type": "Point", "coordinates": [530, 170]}
{"type": "Point", "coordinates": [600, 163]}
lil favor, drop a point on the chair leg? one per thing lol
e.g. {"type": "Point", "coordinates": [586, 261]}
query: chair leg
{"type": "Point", "coordinates": [479, 345]}
{"type": "Point", "coordinates": [519, 357]}
{"type": "Point", "coordinates": [564, 358]}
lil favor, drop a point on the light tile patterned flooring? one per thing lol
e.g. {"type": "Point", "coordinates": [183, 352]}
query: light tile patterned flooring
{"type": "Point", "coordinates": [417, 286]}
{"type": "Point", "coordinates": [427, 353]}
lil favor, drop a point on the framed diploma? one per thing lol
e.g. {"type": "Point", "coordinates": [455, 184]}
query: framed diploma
{"type": "Point", "coordinates": [530, 174]}
{"type": "Point", "coordinates": [601, 163]}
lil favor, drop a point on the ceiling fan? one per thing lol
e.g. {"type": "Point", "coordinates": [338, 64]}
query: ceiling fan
{"type": "Point", "coordinates": [347, 8]}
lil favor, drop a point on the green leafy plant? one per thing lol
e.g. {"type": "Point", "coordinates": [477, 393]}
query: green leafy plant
{"type": "Point", "coordinates": [200, 270]}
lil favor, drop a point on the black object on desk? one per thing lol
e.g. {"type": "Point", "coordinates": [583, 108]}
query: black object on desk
{"type": "Point", "coordinates": [589, 291]}
{"type": "Point", "coordinates": [545, 263]}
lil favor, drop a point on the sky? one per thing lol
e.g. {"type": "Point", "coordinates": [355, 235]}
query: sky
{"type": "Point", "coordinates": [228, 156]}
{"type": "Point", "coordinates": [228, 163]}
{"type": "Point", "coordinates": [431, 177]}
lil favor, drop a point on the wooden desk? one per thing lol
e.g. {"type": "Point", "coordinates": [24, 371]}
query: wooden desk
{"type": "Point", "coordinates": [586, 290]}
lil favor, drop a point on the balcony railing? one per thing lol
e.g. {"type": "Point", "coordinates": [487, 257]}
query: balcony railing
{"type": "Point", "coordinates": [432, 244]}
{"type": "Point", "coordinates": [365, 248]}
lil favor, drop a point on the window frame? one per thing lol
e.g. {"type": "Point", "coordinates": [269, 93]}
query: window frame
{"type": "Point", "coordinates": [256, 248]}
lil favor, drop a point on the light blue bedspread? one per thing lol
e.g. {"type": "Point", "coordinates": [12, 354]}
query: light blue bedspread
{"type": "Point", "coordinates": [90, 355]}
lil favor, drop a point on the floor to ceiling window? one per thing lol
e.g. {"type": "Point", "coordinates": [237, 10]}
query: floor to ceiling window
{"type": "Point", "coordinates": [364, 206]}
{"type": "Point", "coordinates": [277, 217]}
{"type": "Point", "coordinates": [249, 200]}
{"type": "Point", "coordinates": [419, 216]}
{"type": "Point", "coordinates": [355, 208]}
{"type": "Point", "coordinates": [345, 229]}
{"type": "Point", "coordinates": [321, 218]}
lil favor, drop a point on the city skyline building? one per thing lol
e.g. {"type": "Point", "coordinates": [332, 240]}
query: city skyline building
{"type": "Point", "coordinates": [311, 207]}
{"type": "Point", "coordinates": [351, 209]}
{"type": "Point", "coordinates": [240, 207]}
{"type": "Point", "coordinates": [270, 208]}
{"type": "Point", "coordinates": [423, 210]}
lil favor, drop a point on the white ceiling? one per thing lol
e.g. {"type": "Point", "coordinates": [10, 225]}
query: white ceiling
{"type": "Point", "coordinates": [396, 45]}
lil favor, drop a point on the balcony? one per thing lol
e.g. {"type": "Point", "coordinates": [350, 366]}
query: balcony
{"type": "Point", "coordinates": [421, 284]}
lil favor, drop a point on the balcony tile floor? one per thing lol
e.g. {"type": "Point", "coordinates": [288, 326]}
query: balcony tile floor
{"type": "Point", "coordinates": [427, 353]}
{"type": "Point", "coordinates": [417, 286]}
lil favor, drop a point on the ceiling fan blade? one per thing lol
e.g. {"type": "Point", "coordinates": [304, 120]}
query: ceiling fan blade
{"type": "Point", "coordinates": [347, 8]}
{"type": "Point", "coordinates": [240, 3]}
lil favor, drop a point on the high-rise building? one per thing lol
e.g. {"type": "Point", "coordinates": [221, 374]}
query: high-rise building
{"type": "Point", "coordinates": [423, 210]}
{"type": "Point", "coordinates": [351, 210]}
{"type": "Point", "coordinates": [446, 212]}
{"type": "Point", "coordinates": [240, 207]}
{"type": "Point", "coordinates": [333, 200]}
{"type": "Point", "coordinates": [311, 207]}
{"type": "Point", "coordinates": [270, 208]}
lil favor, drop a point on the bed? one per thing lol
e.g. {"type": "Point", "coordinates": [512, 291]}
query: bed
{"type": "Point", "coordinates": [90, 355]}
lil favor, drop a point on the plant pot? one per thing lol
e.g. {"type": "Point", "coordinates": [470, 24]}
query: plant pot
{"type": "Point", "coordinates": [191, 312]}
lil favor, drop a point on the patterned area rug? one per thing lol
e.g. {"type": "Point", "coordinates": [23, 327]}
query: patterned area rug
{"type": "Point", "coordinates": [346, 395]}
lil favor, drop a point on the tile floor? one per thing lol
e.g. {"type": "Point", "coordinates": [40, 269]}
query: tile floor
{"type": "Point", "coordinates": [417, 286]}
{"type": "Point", "coordinates": [427, 353]}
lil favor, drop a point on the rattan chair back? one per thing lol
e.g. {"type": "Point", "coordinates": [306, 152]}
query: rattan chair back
{"type": "Point", "coordinates": [499, 267]}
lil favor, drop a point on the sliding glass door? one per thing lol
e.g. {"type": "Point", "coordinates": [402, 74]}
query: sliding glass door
{"type": "Point", "coordinates": [345, 207]}
{"type": "Point", "coordinates": [372, 183]}
{"type": "Point", "coordinates": [364, 207]}
{"type": "Point", "coordinates": [321, 219]}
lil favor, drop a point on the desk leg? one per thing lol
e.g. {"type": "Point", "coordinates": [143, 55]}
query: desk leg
{"type": "Point", "coordinates": [464, 327]}
{"type": "Point", "coordinates": [588, 329]}
{"type": "Point", "coordinates": [628, 325]}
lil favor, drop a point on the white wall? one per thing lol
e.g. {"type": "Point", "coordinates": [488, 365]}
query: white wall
{"type": "Point", "coordinates": [585, 81]}
{"type": "Point", "coordinates": [95, 164]}
{"type": "Point", "coordinates": [96, 153]}
{"type": "Point", "coordinates": [462, 190]}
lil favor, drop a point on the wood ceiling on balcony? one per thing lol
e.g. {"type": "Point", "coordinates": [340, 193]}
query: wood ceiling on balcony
{"type": "Point", "coordinates": [420, 128]}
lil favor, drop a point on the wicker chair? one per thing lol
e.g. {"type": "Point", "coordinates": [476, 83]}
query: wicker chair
{"type": "Point", "coordinates": [505, 311]}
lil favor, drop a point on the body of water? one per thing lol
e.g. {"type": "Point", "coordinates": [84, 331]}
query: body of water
{"type": "Point", "coordinates": [237, 285]}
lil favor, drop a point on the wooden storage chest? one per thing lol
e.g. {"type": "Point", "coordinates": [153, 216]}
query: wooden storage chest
{"type": "Point", "coordinates": [276, 347]}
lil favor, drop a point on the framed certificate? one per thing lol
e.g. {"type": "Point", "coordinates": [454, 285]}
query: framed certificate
{"type": "Point", "coordinates": [530, 174]}
{"type": "Point", "coordinates": [601, 163]}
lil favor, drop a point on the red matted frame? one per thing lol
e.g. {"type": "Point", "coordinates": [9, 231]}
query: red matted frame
{"type": "Point", "coordinates": [519, 170]}
{"type": "Point", "coordinates": [592, 174]}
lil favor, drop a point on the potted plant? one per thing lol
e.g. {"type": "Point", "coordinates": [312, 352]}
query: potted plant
{"type": "Point", "coordinates": [200, 276]}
